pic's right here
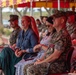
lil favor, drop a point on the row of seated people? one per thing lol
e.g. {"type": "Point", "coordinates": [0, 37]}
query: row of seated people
{"type": "Point", "coordinates": [21, 64]}
{"type": "Point", "coordinates": [70, 24]}
{"type": "Point", "coordinates": [52, 49]}
{"type": "Point", "coordinates": [22, 41]}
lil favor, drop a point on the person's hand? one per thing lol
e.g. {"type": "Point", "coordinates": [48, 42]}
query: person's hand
{"type": "Point", "coordinates": [14, 45]}
{"type": "Point", "coordinates": [19, 53]}
{"type": "Point", "coordinates": [38, 62]}
{"type": "Point", "coordinates": [16, 52]}
{"type": "Point", "coordinates": [37, 48]}
{"type": "Point", "coordinates": [71, 73]}
{"type": "Point", "coordinates": [74, 42]}
{"type": "Point", "coordinates": [41, 59]}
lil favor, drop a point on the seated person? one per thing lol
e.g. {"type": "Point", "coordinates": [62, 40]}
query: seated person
{"type": "Point", "coordinates": [71, 24]}
{"type": "Point", "coordinates": [43, 27]}
{"type": "Point", "coordinates": [27, 39]}
{"type": "Point", "coordinates": [41, 54]}
{"type": "Point", "coordinates": [16, 29]}
{"type": "Point", "coordinates": [60, 43]}
{"type": "Point", "coordinates": [73, 59]}
{"type": "Point", "coordinates": [14, 34]}
{"type": "Point", "coordinates": [39, 25]}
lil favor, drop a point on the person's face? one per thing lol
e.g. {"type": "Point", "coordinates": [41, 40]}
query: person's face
{"type": "Point", "coordinates": [49, 26]}
{"type": "Point", "coordinates": [71, 19]}
{"type": "Point", "coordinates": [44, 20]}
{"type": "Point", "coordinates": [25, 23]}
{"type": "Point", "coordinates": [37, 22]}
{"type": "Point", "coordinates": [14, 23]}
{"type": "Point", "coordinates": [57, 22]}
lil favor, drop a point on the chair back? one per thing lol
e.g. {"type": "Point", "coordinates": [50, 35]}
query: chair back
{"type": "Point", "coordinates": [68, 59]}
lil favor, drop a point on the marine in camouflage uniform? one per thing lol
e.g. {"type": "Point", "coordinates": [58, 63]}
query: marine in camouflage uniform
{"type": "Point", "coordinates": [13, 36]}
{"type": "Point", "coordinates": [39, 25]}
{"type": "Point", "coordinates": [60, 41]}
{"type": "Point", "coordinates": [16, 29]}
{"type": "Point", "coordinates": [43, 31]}
{"type": "Point", "coordinates": [71, 24]}
{"type": "Point", "coordinates": [72, 29]}
{"type": "Point", "coordinates": [41, 28]}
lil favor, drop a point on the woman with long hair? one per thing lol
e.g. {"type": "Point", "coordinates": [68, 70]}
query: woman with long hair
{"type": "Point", "coordinates": [41, 53]}
{"type": "Point", "coordinates": [27, 39]}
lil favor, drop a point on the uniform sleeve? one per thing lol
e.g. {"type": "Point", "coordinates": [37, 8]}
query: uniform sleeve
{"type": "Point", "coordinates": [33, 42]}
{"type": "Point", "coordinates": [61, 44]}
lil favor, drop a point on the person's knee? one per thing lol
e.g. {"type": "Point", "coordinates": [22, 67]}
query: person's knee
{"type": "Point", "coordinates": [4, 53]}
{"type": "Point", "coordinates": [30, 70]}
{"type": "Point", "coordinates": [6, 49]}
{"type": "Point", "coordinates": [26, 69]}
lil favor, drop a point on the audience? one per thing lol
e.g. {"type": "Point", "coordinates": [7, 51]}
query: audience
{"type": "Point", "coordinates": [27, 39]}
{"type": "Point", "coordinates": [51, 45]}
{"type": "Point", "coordinates": [41, 54]}
{"type": "Point", "coordinates": [60, 44]}
{"type": "Point", "coordinates": [44, 28]}
{"type": "Point", "coordinates": [71, 24]}
{"type": "Point", "coordinates": [39, 25]}
{"type": "Point", "coordinates": [16, 29]}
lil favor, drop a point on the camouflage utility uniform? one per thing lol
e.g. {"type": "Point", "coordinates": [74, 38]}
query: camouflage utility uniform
{"type": "Point", "coordinates": [61, 41]}
{"type": "Point", "coordinates": [43, 31]}
{"type": "Point", "coordinates": [39, 27]}
{"type": "Point", "coordinates": [14, 35]}
{"type": "Point", "coordinates": [72, 29]}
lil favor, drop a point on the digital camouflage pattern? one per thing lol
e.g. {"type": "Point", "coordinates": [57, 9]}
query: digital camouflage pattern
{"type": "Point", "coordinates": [71, 28]}
{"type": "Point", "coordinates": [39, 27]}
{"type": "Point", "coordinates": [40, 69]}
{"type": "Point", "coordinates": [13, 36]}
{"type": "Point", "coordinates": [60, 41]}
{"type": "Point", "coordinates": [43, 31]}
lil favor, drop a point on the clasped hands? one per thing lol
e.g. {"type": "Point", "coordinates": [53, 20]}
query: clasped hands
{"type": "Point", "coordinates": [37, 48]}
{"type": "Point", "coordinates": [18, 51]}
